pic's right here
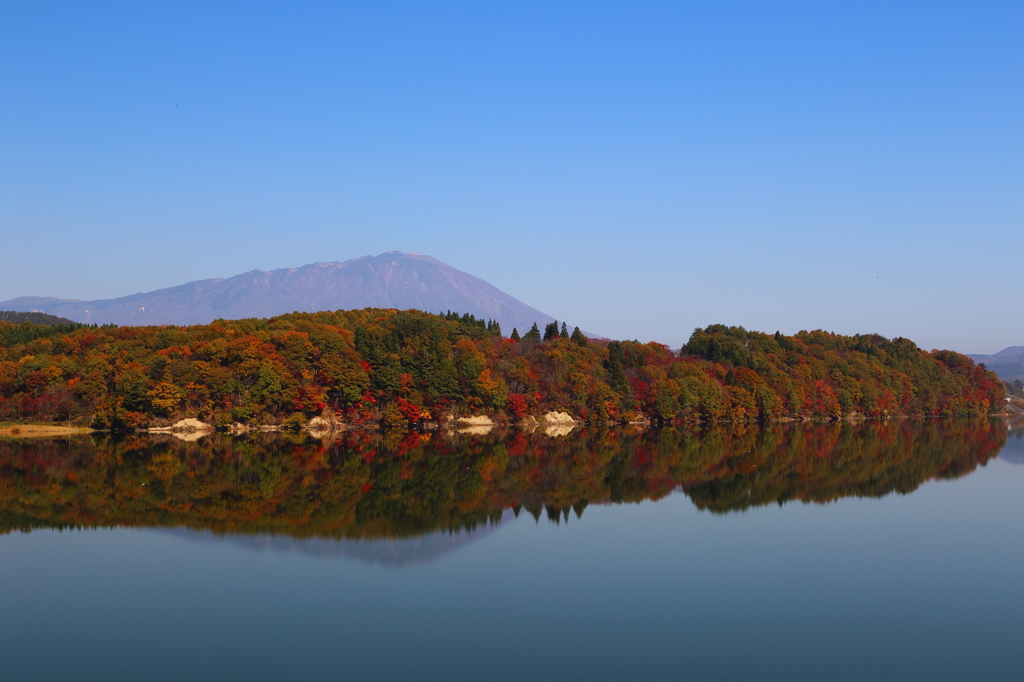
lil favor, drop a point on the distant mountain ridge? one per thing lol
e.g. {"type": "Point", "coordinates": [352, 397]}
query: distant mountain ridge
{"type": "Point", "coordinates": [390, 280]}
{"type": "Point", "coordinates": [1008, 364]}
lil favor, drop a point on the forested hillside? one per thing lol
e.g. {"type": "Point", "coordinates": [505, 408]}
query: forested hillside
{"type": "Point", "coordinates": [406, 368]}
{"type": "Point", "coordinates": [16, 317]}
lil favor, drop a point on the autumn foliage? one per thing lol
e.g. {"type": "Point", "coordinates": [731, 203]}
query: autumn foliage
{"type": "Point", "coordinates": [408, 368]}
{"type": "Point", "coordinates": [363, 484]}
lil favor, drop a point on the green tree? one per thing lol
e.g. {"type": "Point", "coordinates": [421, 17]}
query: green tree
{"type": "Point", "coordinates": [615, 364]}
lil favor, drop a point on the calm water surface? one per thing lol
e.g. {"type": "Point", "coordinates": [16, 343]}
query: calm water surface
{"type": "Point", "coordinates": [891, 551]}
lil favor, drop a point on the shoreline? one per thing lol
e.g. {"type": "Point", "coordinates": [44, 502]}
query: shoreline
{"type": "Point", "coordinates": [41, 430]}
{"type": "Point", "coordinates": [16, 430]}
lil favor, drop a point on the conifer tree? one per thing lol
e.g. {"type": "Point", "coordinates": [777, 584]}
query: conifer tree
{"type": "Point", "coordinates": [515, 334]}
{"type": "Point", "coordinates": [565, 332]}
{"type": "Point", "coordinates": [533, 334]}
{"type": "Point", "coordinates": [551, 330]}
{"type": "Point", "coordinates": [578, 338]}
{"type": "Point", "coordinates": [615, 366]}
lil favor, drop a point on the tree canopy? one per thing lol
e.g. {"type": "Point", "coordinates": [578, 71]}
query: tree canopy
{"type": "Point", "coordinates": [403, 368]}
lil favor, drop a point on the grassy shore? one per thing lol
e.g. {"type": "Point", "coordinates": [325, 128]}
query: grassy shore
{"type": "Point", "coordinates": [14, 430]}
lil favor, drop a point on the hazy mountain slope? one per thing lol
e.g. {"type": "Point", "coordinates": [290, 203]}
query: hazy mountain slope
{"type": "Point", "coordinates": [1008, 364]}
{"type": "Point", "coordinates": [390, 280]}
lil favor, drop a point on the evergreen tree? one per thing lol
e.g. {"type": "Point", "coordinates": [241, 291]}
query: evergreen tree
{"type": "Point", "coordinates": [578, 338]}
{"type": "Point", "coordinates": [565, 332]}
{"type": "Point", "coordinates": [515, 334]}
{"type": "Point", "coordinates": [615, 366]}
{"type": "Point", "coordinates": [551, 330]}
{"type": "Point", "coordinates": [533, 334]}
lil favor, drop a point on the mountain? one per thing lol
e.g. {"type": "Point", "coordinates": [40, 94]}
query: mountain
{"type": "Point", "coordinates": [390, 280]}
{"type": "Point", "coordinates": [1008, 364]}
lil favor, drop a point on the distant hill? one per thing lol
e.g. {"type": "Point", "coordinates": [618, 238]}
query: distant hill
{"type": "Point", "coordinates": [1008, 364]}
{"type": "Point", "coordinates": [16, 317]}
{"type": "Point", "coordinates": [390, 280]}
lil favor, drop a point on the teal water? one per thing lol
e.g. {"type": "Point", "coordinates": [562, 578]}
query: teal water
{"type": "Point", "coordinates": [906, 561]}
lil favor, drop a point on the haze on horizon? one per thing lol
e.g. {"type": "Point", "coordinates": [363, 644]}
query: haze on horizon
{"type": "Point", "coordinates": [638, 169]}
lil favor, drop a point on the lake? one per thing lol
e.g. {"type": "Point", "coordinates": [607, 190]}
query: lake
{"type": "Point", "coordinates": [888, 551]}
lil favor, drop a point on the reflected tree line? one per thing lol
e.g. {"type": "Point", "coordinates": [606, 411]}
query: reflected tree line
{"type": "Point", "coordinates": [364, 485]}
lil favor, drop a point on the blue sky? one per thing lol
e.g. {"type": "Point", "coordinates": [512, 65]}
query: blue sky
{"type": "Point", "coordinates": [639, 169]}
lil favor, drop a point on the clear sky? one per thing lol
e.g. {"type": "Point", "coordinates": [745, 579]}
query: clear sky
{"type": "Point", "coordinates": [638, 169]}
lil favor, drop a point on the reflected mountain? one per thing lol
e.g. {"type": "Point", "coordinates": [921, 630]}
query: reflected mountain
{"type": "Point", "coordinates": [395, 552]}
{"type": "Point", "coordinates": [271, 491]}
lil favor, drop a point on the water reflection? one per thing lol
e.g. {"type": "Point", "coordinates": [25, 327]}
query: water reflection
{"type": "Point", "coordinates": [368, 487]}
{"type": "Point", "coordinates": [397, 552]}
{"type": "Point", "coordinates": [1013, 451]}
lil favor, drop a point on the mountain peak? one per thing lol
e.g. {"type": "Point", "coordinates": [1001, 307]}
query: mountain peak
{"type": "Point", "coordinates": [392, 279]}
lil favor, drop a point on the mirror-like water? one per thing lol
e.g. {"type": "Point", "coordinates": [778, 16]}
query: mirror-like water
{"type": "Point", "coordinates": [839, 551]}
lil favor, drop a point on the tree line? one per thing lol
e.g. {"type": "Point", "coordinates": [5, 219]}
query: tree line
{"type": "Point", "coordinates": [403, 369]}
{"type": "Point", "coordinates": [366, 484]}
